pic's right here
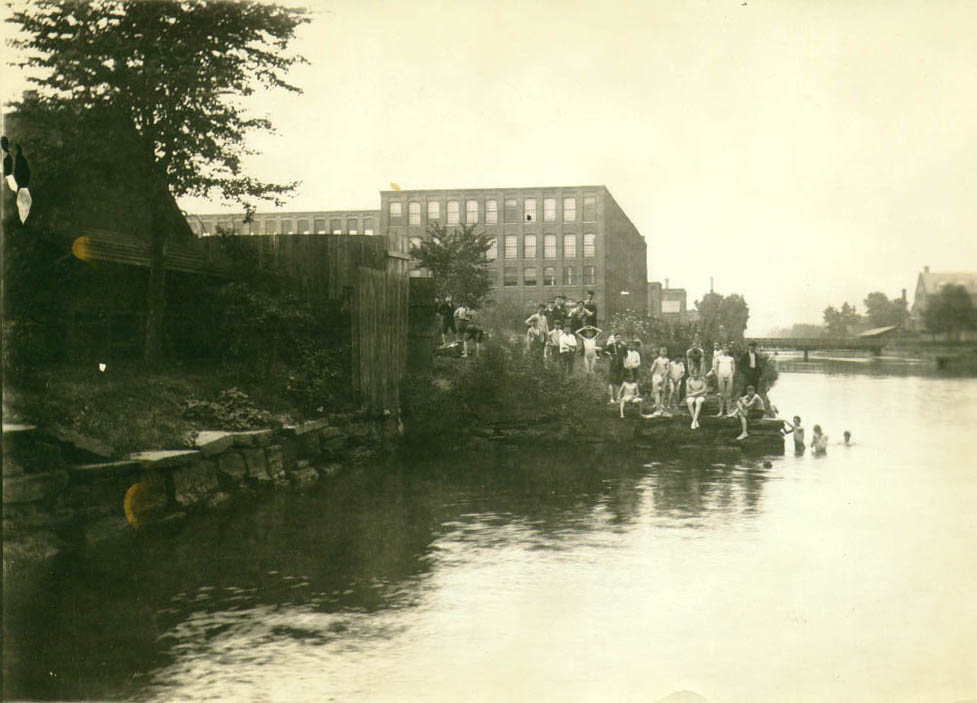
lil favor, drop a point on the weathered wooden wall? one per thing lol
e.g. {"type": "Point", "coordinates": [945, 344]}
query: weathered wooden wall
{"type": "Point", "coordinates": [323, 264]}
{"type": "Point", "coordinates": [379, 336]}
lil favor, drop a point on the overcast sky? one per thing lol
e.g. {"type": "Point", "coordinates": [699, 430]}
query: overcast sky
{"type": "Point", "coordinates": [802, 153]}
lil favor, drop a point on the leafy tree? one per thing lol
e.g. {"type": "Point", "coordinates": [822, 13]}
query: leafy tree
{"type": "Point", "coordinates": [722, 318]}
{"type": "Point", "coordinates": [883, 312]}
{"type": "Point", "coordinates": [951, 310]}
{"type": "Point", "coordinates": [169, 73]}
{"type": "Point", "coordinates": [457, 260]}
{"type": "Point", "coordinates": [840, 322]}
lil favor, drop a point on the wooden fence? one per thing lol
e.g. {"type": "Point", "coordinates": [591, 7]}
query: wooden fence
{"type": "Point", "coordinates": [323, 264]}
{"type": "Point", "coordinates": [379, 320]}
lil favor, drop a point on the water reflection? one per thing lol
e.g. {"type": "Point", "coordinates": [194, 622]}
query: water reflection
{"type": "Point", "coordinates": [578, 575]}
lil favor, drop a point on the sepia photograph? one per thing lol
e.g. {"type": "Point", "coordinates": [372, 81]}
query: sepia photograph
{"type": "Point", "coordinates": [470, 351]}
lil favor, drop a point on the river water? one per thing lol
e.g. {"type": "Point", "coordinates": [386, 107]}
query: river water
{"type": "Point", "coordinates": [560, 577]}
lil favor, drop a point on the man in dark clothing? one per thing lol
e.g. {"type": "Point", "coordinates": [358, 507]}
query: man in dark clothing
{"type": "Point", "coordinates": [751, 366]}
{"type": "Point", "coordinates": [559, 313]}
{"type": "Point", "coordinates": [590, 305]}
{"type": "Point", "coordinates": [447, 312]}
{"type": "Point", "coordinates": [578, 317]}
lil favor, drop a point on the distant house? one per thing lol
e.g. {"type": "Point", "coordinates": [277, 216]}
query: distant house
{"type": "Point", "coordinates": [929, 285]}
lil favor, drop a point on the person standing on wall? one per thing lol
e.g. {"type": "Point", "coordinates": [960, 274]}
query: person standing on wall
{"type": "Point", "coordinates": [751, 366]}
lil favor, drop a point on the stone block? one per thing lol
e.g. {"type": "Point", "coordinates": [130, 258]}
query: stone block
{"type": "Point", "coordinates": [193, 483]}
{"type": "Point", "coordinates": [32, 487]}
{"type": "Point", "coordinates": [306, 427]}
{"type": "Point", "coordinates": [232, 464]}
{"type": "Point", "coordinates": [85, 472]}
{"type": "Point", "coordinates": [254, 438]}
{"type": "Point", "coordinates": [304, 477]}
{"type": "Point", "coordinates": [257, 466]}
{"type": "Point", "coordinates": [165, 458]}
{"type": "Point", "coordinates": [275, 461]}
{"type": "Point", "coordinates": [211, 442]}
{"type": "Point", "coordinates": [80, 444]}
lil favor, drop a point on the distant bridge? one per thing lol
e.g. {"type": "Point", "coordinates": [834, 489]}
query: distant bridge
{"type": "Point", "coordinates": [809, 344]}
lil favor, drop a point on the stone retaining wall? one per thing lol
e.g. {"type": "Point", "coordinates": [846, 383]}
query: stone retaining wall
{"type": "Point", "coordinates": [62, 492]}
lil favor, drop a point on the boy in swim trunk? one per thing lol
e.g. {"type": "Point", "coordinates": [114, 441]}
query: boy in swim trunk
{"type": "Point", "coordinates": [750, 400]}
{"type": "Point", "coordinates": [723, 368]}
{"type": "Point", "coordinates": [797, 432]}
{"type": "Point", "coordinates": [589, 336]}
{"type": "Point", "coordinates": [676, 372]}
{"type": "Point", "coordinates": [629, 395]}
{"type": "Point", "coordinates": [659, 370]}
{"type": "Point", "coordinates": [695, 396]}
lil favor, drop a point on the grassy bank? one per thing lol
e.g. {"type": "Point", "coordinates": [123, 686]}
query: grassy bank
{"type": "Point", "coordinates": [130, 409]}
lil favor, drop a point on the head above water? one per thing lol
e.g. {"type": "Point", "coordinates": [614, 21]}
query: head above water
{"type": "Point", "coordinates": [847, 436]}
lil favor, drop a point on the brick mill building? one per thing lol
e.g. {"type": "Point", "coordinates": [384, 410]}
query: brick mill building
{"type": "Point", "coordinates": [551, 241]}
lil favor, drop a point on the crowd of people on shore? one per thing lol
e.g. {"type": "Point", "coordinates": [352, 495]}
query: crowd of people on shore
{"type": "Point", "coordinates": [561, 330]}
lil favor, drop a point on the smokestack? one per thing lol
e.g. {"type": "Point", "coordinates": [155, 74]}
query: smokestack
{"type": "Point", "coordinates": [666, 283]}
{"type": "Point", "coordinates": [926, 269]}
{"type": "Point", "coordinates": [710, 284]}
{"type": "Point", "coordinates": [904, 295]}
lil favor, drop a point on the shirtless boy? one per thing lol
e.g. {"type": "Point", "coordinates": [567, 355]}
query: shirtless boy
{"type": "Point", "coordinates": [723, 368]}
{"type": "Point", "coordinates": [676, 372]}
{"type": "Point", "coordinates": [695, 396]}
{"type": "Point", "coordinates": [589, 336]}
{"type": "Point", "coordinates": [797, 432]}
{"type": "Point", "coordinates": [659, 370]}
{"type": "Point", "coordinates": [629, 395]}
{"type": "Point", "coordinates": [749, 400]}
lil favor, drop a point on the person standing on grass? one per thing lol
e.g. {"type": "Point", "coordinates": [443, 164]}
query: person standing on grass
{"type": "Point", "coordinates": [552, 350]}
{"type": "Point", "coordinates": [568, 350]}
{"type": "Point", "coordinates": [695, 396]}
{"type": "Point", "coordinates": [447, 312]}
{"type": "Point", "coordinates": [616, 351]}
{"type": "Point", "coordinates": [462, 316]}
{"type": "Point", "coordinates": [632, 362]}
{"type": "Point", "coordinates": [474, 335]}
{"type": "Point", "coordinates": [590, 305]}
{"type": "Point", "coordinates": [589, 336]}
{"type": "Point", "coordinates": [537, 327]}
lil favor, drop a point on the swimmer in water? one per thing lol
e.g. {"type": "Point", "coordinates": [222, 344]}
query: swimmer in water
{"type": "Point", "coordinates": [847, 440]}
{"type": "Point", "coordinates": [797, 431]}
{"type": "Point", "coordinates": [819, 441]}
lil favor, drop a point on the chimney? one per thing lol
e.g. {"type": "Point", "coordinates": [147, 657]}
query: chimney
{"type": "Point", "coordinates": [904, 295]}
{"type": "Point", "coordinates": [926, 269]}
{"type": "Point", "coordinates": [710, 284]}
{"type": "Point", "coordinates": [666, 284]}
